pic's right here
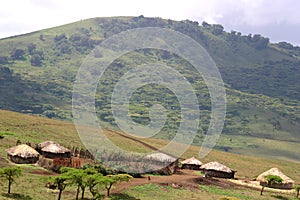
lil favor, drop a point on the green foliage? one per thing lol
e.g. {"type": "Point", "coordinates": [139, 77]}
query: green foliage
{"type": "Point", "coordinates": [61, 182]}
{"type": "Point", "coordinates": [272, 179]}
{"type": "Point", "coordinates": [39, 69]}
{"type": "Point", "coordinates": [110, 180]}
{"type": "Point", "coordinates": [10, 174]}
{"type": "Point", "coordinates": [297, 189]}
{"type": "Point", "coordinates": [17, 54]}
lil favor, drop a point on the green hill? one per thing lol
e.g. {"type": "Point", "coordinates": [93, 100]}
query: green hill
{"type": "Point", "coordinates": [31, 185]}
{"type": "Point", "coordinates": [262, 80]}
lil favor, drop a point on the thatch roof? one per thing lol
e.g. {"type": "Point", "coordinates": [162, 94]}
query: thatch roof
{"type": "Point", "coordinates": [23, 151]}
{"type": "Point", "coordinates": [276, 172]}
{"type": "Point", "coordinates": [44, 144]}
{"type": "Point", "coordinates": [216, 166]}
{"type": "Point", "coordinates": [55, 148]}
{"type": "Point", "coordinates": [162, 157]}
{"type": "Point", "coordinates": [192, 161]}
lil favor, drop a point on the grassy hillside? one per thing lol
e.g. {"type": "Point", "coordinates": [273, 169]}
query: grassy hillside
{"type": "Point", "coordinates": [33, 129]}
{"type": "Point", "coordinates": [37, 72]}
{"type": "Point", "coordinates": [15, 126]}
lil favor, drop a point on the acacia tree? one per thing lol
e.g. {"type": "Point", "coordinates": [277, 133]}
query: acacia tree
{"type": "Point", "coordinates": [271, 180]}
{"type": "Point", "coordinates": [297, 188]}
{"type": "Point", "coordinates": [109, 180]}
{"type": "Point", "coordinates": [92, 181]}
{"type": "Point", "coordinates": [79, 177]}
{"type": "Point", "coordinates": [61, 182]}
{"type": "Point", "coordinates": [10, 174]}
{"type": "Point", "coordinates": [75, 176]}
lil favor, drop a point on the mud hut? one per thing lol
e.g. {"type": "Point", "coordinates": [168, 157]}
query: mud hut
{"type": "Point", "coordinates": [215, 169]}
{"type": "Point", "coordinates": [51, 149]}
{"type": "Point", "coordinates": [163, 164]}
{"type": "Point", "coordinates": [23, 154]}
{"type": "Point", "coordinates": [191, 163]}
{"type": "Point", "coordinates": [287, 183]}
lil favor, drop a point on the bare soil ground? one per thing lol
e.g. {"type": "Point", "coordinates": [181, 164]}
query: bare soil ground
{"type": "Point", "coordinates": [186, 179]}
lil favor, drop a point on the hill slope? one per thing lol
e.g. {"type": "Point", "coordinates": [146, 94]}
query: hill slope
{"type": "Point", "coordinates": [33, 129]}
{"type": "Point", "coordinates": [262, 79]}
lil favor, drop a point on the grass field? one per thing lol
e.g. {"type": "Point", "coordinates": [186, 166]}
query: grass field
{"type": "Point", "coordinates": [27, 128]}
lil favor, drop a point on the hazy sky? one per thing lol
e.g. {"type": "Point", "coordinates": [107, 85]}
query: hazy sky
{"type": "Point", "coordinates": [277, 19]}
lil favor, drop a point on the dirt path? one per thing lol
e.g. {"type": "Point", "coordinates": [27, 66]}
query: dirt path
{"type": "Point", "coordinates": [186, 179]}
{"type": "Point", "coordinates": [137, 140]}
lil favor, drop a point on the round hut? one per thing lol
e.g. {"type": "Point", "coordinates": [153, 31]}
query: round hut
{"type": "Point", "coordinates": [287, 183]}
{"type": "Point", "coordinates": [51, 149]}
{"type": "Point", "coordinates": [164, 164]}
{"type": "Point", "coordinates": [215, 169]}
{"type": "Point", "coordinates": [23, 154]}
{"type": "Point", "coordinates": [191, 163]}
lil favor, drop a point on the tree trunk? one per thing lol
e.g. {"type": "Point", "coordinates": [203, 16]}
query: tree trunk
{"type": "Point", "coordinates": [59, 194]}
{"type": "Point", "coordinates": [9, 185]}
{"type": "Point", "coordinates": [82, 192]}
{"type": "Point", "coordinates": [262, 189]}
{"type": "Point", "coordinates": [108, 189]}
{"type": "Point", "coordinates": [77, 192]}
{"type": "Point", "coordinates": [297, 195]}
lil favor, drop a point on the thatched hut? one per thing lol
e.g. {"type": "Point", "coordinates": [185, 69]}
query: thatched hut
{"type": "Point", "coordinates": [287, 183]}
{"type": "Point", "coordinates": [23, 154]}
{"type": "Point", "coordinates": [164, 163]}
{"type": "Point", "coordinates": [215, 169]}
{"type": "Point", "coordinates": [191, 163]}
{"type": "Point", "coordinates": [51, 149]}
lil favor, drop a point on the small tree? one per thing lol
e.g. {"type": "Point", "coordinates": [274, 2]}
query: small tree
{"type": "Point", "coordinates": [271, 180]}
{"type": "Point", "coordinates": [85, 179]}
{"type": "Point", "coordinates": [10, 174]}
{"type": "Point", "coordinates": [297, 188]}
{"type": "Point", "coordinates": [109, 180]}
{"type": "Point", "coordinates": [77, 177]}
{"type": "Point", "coordinates": [92, 181]}
{"type": "Point", "coordinates": [61, 182]}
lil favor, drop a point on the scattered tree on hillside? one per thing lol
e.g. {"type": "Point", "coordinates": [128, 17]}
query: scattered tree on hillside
{"type": "Point", "coordinates": [3, 60]}
{"type": "Point", "coordinates": [31, 48]}
{"type": "Point", "coordinates": [92, 181]}
{"type": "Point", "coordinates": [10, 174]}
{"type": "Point", "coordinates": [297, 188]}
{"type": "Point", "coordinates": [61, 182]}
{"type": "Point", "coordinates": [17, 54]}
{"type": "Point", "coordinates": [78, 177]}
{"type": "Point", "coordinates": [109, 180]}
{"type": "Point", "coordinates": [36, 60]}
{"type": "Point", "coordinates": [271, 180]}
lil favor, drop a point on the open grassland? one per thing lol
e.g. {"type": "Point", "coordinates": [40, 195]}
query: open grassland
{"type": "Point", "coordinates": [27, 128]}
{"type": "Point", "coordinates": [152, 191]}
{"type": "Point", "coordinates": [33, 129]}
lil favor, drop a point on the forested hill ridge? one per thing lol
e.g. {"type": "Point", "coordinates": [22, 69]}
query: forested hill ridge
{"type": "Point", "coordinates": [38, 69]}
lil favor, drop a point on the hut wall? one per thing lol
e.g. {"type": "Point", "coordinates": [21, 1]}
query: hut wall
{"type": "Point", "coordinates": [286, 186]}
{"type": "Point", "coordinates": [218, 174]}
{"type": "Point", "coordinates": [168, 170]}
{"type": "Point", "coordinates": [20, 160]}
{"type": "Point", "coordinates": [56, 155]}
{"type": "Point", "coordinates": [191, 167]}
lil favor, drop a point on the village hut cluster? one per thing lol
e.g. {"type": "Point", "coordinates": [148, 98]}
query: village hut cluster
{"type": "Point", "coordinates": [211, 169]}
{"type": "Point", "coordinates": [166, 164]}
{"type": "Point", "coordinates": [51, 149]}
{"type": "Point", "coordinates": [25, 154]}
